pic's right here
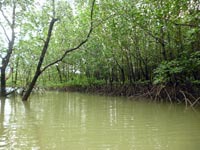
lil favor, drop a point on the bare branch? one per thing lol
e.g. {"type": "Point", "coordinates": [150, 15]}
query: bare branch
{"type": "Point", "coordinates": [4, 30]}
{"type": "Point", "coordinates": [11, 25]}
{"type": "Point", "coordinates": [6, 18]}
{"type": "Point", "coordinates": [13, 21]}
{"type": "Point", "coordinates": [79, 45]}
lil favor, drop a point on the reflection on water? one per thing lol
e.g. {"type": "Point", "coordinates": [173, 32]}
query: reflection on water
{"type": "Point", "coordinates": [79, 121]}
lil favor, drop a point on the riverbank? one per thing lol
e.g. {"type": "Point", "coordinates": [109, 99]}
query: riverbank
{"type": "Point", "coordinates": [190, 95]}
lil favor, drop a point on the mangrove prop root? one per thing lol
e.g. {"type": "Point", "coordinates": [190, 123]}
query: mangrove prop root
{"type": "Point", "coordinates": [192, 101]}
{"type": "Point", "coordinates": [169, 97]}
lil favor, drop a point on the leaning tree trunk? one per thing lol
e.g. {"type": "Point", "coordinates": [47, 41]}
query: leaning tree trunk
{"type": "Point", "coordinates": [31, 86]}
{"type": "Point", "coordinates": [38, 70]}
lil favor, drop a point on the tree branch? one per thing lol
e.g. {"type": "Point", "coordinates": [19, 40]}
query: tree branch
{"type": "Point", "coordinates": [162, 42]}
{"type": "Point", "coordinates": [105, 19]}
{"type": "Point", "coordinates": [54, 10]}
{"type": "Point", "coordinates": [187, 25]}
{"type": "Point", "coordinates": [5, 17]}
{"type": "Point", "coordinates": [4, 30]}
{"type": "Point", "coordinates": [79, 45]}
{"type": "Point", "coordinates": [158, 39]}
{"type": "Point", "coordinates": [12, 40]}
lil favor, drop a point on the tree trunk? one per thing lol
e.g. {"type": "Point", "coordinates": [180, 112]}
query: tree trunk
{"type": "Point", "coordinates": [31, 86]}
{"type": "Point", "coordinates": [163, 50]}
{"type": "Point", "coordinates": [3, 82]}
{"type": "Point", "coordinates": [59, 73]}
{"type": "Point", "coordinates": [16, 72]}
{"type": "Point", "coordinates": [6, 59]}
{"type": "Point", "coordinates": [5, 62]}
{"type": "Point", "coordinates": [122, 76]}
{"type": "Point", "coordinates": [40, 62]}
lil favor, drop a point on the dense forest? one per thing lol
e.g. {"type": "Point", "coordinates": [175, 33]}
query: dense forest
{"type": "Point", "coordinates": [121, 47]}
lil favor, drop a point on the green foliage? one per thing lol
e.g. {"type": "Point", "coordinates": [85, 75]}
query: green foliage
{"type": "Point", "coordinates": [166, 70]}
{"type": "Point", "coordinates": [138, 41]}
{"type": "Point", "coordinates": [179, 70]}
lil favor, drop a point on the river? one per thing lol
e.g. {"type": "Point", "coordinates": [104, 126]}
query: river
{"type": "Point", "coordinates": [74, 121]}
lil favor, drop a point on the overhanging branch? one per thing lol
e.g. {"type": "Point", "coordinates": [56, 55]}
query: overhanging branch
{"type": "Point", "coordinates": [79, 45]}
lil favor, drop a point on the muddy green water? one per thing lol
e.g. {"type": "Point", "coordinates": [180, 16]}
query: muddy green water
{"type": "Point", "coordinates": [74, 121]}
